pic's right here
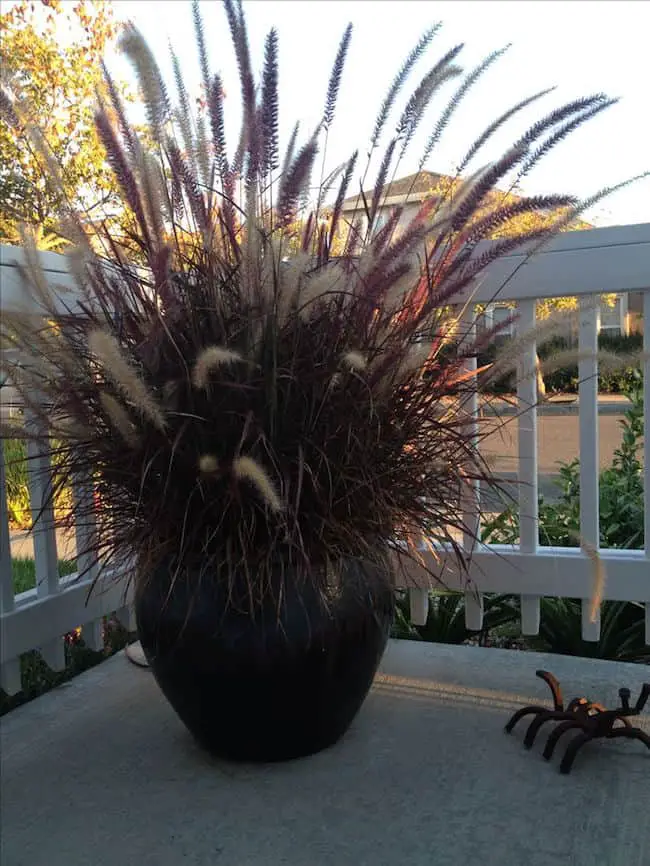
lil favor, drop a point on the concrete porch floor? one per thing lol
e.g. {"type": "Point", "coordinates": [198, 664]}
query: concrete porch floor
{"type": "Point", "coordinates": [101, 773]}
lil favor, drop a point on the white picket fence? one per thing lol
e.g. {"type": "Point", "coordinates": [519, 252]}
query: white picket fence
{"type": "Point", "coordinates": [584, 264]}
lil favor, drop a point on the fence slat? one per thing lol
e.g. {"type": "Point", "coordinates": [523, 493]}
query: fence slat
{"type": "Point", "coordinates": [10, 679]}
{"type": "Point", "coordinates": [6, 578]}
{"type": "Point", "coordinates": [419, 606]}
{"type": "Point", "coordinates": [530, 614]}
{"type": "Point", "coordinates": [553, 571]}
{"type": "Point", "coordinates": [470, 492]}
{"type": "Point", "coordinates": [646, 442]}
{"type": "Point", "coordinates": [588, 420]}
{"type": "Point", "coordinates": [473, 611]}
{"type": "Point", "coordinates": [92, 632]}
{"type": "Point", "coordinates": [527, 432]}
{"type": "Point", "coordinates": [527, 398]}
{"type": "Point", "coordinates": [40, 621]}
{"type": "Point", "coordinates": [646, 417]}
{"type": "Point", "coordinates": [590, 630]}
{"type": "Point", "coordinates": [126, 616]}
{"type": "Point", "coordinates": [45, 554]}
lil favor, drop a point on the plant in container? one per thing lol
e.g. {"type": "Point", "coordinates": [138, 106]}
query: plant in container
{"type": "Point", "coordinates": [251, 408]}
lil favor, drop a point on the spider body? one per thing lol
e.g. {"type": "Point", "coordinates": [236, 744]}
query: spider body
{"type": "Point", "coordinates": [592, 719]}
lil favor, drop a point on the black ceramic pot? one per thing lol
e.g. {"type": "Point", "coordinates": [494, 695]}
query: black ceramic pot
{"type": "Point", "coordinates": [282, 682]}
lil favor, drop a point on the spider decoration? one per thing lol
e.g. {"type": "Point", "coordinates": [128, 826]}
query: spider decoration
{"type": "Point", "coordinates": [593, 719]}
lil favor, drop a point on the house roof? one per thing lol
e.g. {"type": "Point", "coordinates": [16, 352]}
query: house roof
{"type": "Point", "coordinates": [415, 185]}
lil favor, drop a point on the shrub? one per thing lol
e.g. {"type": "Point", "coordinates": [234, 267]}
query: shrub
{"type": "Point", "coordinates": [566, 379]}
{"type": "Point", "coordinates": [18, 500]}
{"type": "Point", "coordinates": [446, 620]}
{"type": "Point", "coordinates": [17, 486]}
{"type": "Point", "coordinates": [621, 526]}
{"type": "Point", "coordinates": [620, 495]}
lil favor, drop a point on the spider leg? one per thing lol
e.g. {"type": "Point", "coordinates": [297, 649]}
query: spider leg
{"type": "Point", "coordinates": [630, 733]}
{"type": "Point", "coordinates": [554, 686]}
{"type": "Point", "coordinates": [536, 724]}
{"type": "Point", "coordinates": [572, 750]}
{"type": "Point", "coordinates": [554, 736]}
{"type": "Point", "coordinates": [524, 711]}
{"type": "Point", "coordinates": [643, 697]}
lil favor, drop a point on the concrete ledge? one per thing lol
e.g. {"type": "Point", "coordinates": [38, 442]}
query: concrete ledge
{"type": "Point", "coordinates": [100, 772]}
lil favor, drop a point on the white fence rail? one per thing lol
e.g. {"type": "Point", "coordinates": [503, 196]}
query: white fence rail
{"type": "Point", "coordinates": [584, 264]}
{"type": "Point", "coordinates": [40, 617]}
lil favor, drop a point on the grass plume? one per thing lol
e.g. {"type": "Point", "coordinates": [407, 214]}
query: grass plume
{"type": "Point", "coordinates": [248, 469]}
{"type": "Point", "coordinates": [105, 348]}
{"type": "Point", "coordinates": [336, 77]}
{"type": "Point", "coordinates": [209, 360]}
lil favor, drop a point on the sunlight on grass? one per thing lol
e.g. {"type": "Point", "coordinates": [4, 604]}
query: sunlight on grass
{"type": "Point", "coordinates": [23, 572]}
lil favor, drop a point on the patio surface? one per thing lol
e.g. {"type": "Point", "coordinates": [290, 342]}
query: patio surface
{"type": "Point", "coordinates": [101, 773]}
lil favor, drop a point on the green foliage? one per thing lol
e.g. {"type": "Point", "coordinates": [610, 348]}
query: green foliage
{"type": "Point", "coordinates": [23, 572]}
{"type": "Point", "coordinates": [54, 80]}
{"type": "Point", "coordinates": [620, 500]}
{"type": "Point", "coordinates": [18, 500]}
{"type": "Point", "coordinates": [16, 478]}
{"type": "Point", "coordinates": [446, 620]}
{"type": "Point", "coordinates": [621, 526]}
{"type": "Point", "coordinates": [566, 380]}
{"type": "Point", "coordinates": [622, 630]}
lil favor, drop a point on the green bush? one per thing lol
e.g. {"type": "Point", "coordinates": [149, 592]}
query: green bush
{"type": "Point", "coordinates": [566, 380]}
{"type": "Point", "coordinates": [16, 477]}
{"type": "Point", "coordinates": [446, 620]}
{"type": "Point", "coordinates": [620, 495]}
{"type": "Point", "coordinates": [621, 527]}
{"type": "Point", "coordinates": [622, 627]}
{"type": "Point", "coordinates": [18, 501]}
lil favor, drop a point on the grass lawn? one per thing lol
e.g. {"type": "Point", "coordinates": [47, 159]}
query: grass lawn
{"type": "Point", "coordinates": [23, 572]}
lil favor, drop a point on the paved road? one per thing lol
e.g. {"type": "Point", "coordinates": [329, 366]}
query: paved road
{"type": "Point", "coordinates": [559, 441]}
{"type": "Point", "coordinates": [22, 545]}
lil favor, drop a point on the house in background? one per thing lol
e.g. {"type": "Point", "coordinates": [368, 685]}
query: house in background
{"type": "Point", "coordinates": [409, 192]}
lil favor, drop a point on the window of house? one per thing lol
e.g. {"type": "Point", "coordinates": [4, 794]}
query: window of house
{"type": "Point", "coordinates": [613, 319]}
{"type": "Point", "coordinates": [502, 314]}
{"type": "Point", "coordinates": [380, 222]}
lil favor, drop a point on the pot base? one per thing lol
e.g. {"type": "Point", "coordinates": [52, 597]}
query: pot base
{"type": "Point", "coordinates": [281, 684]}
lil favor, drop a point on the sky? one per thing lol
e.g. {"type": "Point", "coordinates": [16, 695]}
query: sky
{"type": "Point", "coordinates": [580, 46]}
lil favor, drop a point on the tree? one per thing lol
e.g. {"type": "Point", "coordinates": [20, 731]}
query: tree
{"type": "Point", "coordinates": [50, 67]}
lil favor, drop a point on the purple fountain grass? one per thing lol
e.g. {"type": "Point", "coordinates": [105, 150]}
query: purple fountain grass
{"type": "Point", "coordinates": [239, 392]}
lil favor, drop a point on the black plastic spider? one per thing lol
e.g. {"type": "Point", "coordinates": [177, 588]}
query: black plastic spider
{"type": "Point", "coordinates": [593, 719]}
